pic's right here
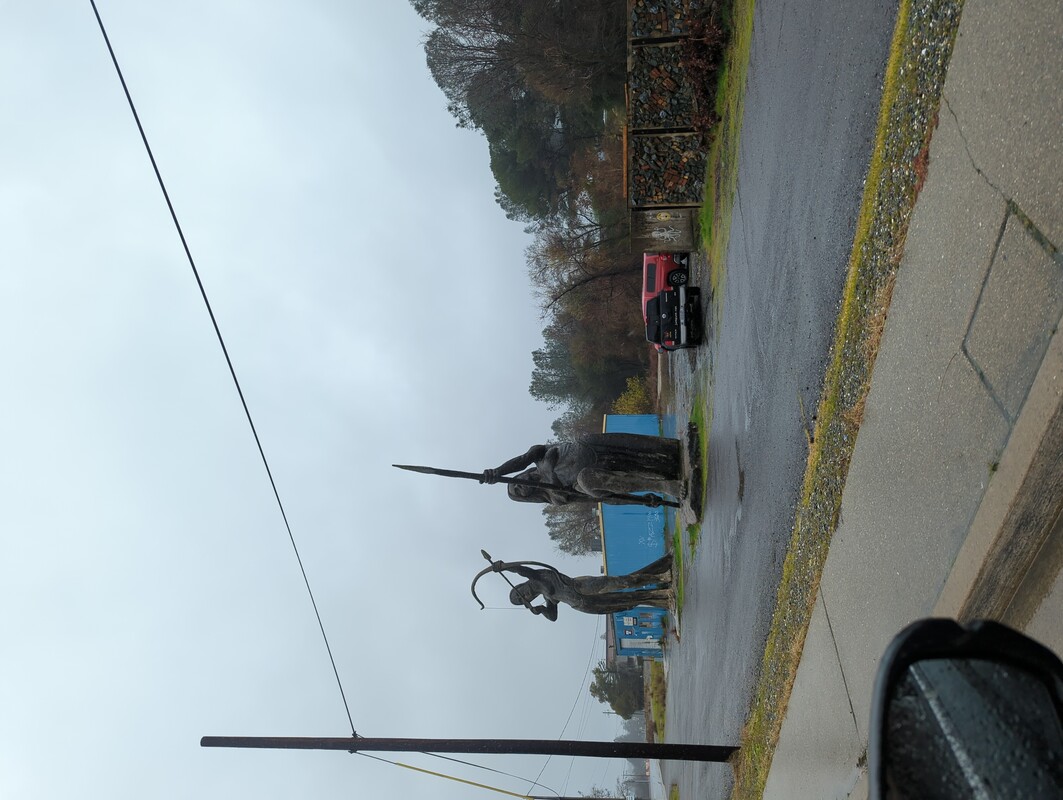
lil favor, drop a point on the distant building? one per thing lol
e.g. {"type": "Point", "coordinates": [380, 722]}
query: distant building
{"type": "Point", "coordinates": [633, 536]}
{"type": "Point", "coordinates": [636, 781]}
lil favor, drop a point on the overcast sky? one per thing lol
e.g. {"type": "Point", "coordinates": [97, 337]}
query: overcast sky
{"type": "Point", "coordinates": [375, 304]}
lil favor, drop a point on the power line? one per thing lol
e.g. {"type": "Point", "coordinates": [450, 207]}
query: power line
{"type": "Point", "coordinates": [225, 352]}
{"type": "Point", "coordinates": [571, 711]}
{"type": "Point", "coordinates": [459, 761]}
{"type": "Point", "coordinates": [451, 778]}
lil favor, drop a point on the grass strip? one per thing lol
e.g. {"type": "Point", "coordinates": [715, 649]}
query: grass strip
{"type": "Point", "coordinates": [701, 418]}
{"type": "Point", "coordinates": [678, 570]}
{"type": "Point", "coordinates": [722, 172]}
{"type": "Point", "coordinates": [657, 689]}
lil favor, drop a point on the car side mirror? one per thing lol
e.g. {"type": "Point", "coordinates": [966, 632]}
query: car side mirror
{"type": "Point", "coordinates": [966, 712]}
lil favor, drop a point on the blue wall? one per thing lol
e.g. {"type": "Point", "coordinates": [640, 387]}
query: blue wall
{"type": "Point", "coordinates": [649, 424]}
{"type": "Point", "coordinates": [632, 537]}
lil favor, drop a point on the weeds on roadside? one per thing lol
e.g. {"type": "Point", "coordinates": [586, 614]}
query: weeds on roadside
{"type": "Point", "coordinates": [722, 174]}
{"type": "Point", "coordinates": [655, 696]}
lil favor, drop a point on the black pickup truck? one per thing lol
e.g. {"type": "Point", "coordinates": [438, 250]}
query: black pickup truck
{"type": "Point", "coordinates": [673, 318]}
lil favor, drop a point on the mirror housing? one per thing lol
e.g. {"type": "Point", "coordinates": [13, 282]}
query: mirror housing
{"type": "Point", "coordinates": [972, 711]}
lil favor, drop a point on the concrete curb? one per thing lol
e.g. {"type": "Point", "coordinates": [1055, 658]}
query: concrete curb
{"type": "Point", "coordinates": [1020, 509]}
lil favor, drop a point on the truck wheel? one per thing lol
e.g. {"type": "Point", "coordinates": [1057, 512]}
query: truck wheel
{"type": "Point", "coordinates": [677, 278]}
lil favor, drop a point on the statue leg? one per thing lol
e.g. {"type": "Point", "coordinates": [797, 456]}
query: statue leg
{"type": "Point", "coordinates": [631, 452]}
{"type": "Point", "coordinates": [624, 601]}
{"type": "Point", "coordinates": [662, 566]}
{"type": "Point", "coordinates": [637, 580]}
{"type": "Point", "coordinates": [605, 585]}
{"type": "Point", "coordinates": [658, 573]}
{"type": "Point", "coordinates": [599, 482]}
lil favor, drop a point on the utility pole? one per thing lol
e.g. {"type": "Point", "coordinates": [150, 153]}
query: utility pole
{"type": "Point", "coordinates": [545, 747]}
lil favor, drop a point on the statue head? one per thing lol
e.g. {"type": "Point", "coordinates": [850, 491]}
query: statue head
{"type": "Point", "coordinates": [527, 494]}
{"type": "Point", "coordinates": [524, 593]}
{"type": "Point", "coordinates": [522, 493]}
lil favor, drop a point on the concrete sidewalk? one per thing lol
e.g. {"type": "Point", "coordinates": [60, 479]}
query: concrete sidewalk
{"type": "Point", "coordinates": [953, 497]}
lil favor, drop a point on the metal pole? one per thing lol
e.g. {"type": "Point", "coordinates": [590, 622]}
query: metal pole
{"type": "Point", "coordinates": [546, 747]}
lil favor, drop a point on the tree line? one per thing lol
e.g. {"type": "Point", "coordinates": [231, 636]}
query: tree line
{"type": "Point", "coordinates": [543, 80]}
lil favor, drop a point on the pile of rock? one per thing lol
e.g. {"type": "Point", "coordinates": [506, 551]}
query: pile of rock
{"type": "Point", "coordinates": [666, 170]}
{"type": "Point", "coordinates": [657, 18]}
{"type": "Point", "coordinates": [666, 122]}
{"type": "Point", "coordinates": [661, 95]}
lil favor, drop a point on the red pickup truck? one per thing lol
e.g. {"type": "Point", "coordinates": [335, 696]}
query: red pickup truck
{"type": "Point", "coordinates": [670, 308]}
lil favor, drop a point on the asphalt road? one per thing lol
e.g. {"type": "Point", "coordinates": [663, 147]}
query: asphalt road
{"type": "Point", "coordinates": [811, 106]}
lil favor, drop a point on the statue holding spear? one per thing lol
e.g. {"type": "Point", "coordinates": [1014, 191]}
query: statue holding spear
{"type": "Point", "coordinates": [597, 468]}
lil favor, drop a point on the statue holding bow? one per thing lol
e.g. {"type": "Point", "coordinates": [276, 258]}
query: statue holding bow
{"type": "Point", "coordinates": [591, 594]}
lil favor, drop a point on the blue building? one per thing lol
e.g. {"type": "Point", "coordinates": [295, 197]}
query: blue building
{"type": "Point", "coordinates": [632, 537]}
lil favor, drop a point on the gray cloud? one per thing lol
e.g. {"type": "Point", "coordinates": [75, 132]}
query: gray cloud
{"type": "Point", "coordinates": [375, 303]}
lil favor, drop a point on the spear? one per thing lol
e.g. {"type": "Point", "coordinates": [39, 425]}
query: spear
{"type": "Point", "coordinates": [640, 499]}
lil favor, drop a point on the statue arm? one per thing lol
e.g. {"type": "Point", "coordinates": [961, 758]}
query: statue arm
{"type": "Point", "coordinates": [535, 452]}
{"type": "Point", "coordinates": [549, 610]}
{"type": "Point", "coordinates": [524, 572]}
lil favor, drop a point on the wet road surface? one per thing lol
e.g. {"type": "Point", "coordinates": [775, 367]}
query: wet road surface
{"type": "Point", "coordinates": [811, 106]}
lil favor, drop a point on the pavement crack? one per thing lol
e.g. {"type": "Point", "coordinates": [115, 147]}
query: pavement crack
{"type": "Point", "coordinates": [838, 657]}
{"type": "Point", "coordinates": [970, 155]}
{"type": "Point", "coordinates": [1049, 246]}
{"type": "Point", "coordinates": [1034, 232]}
